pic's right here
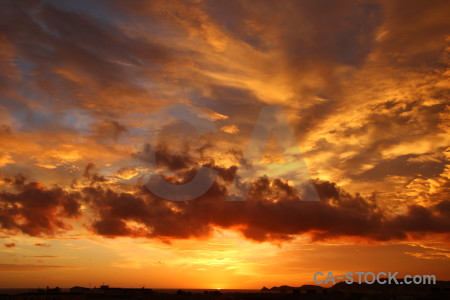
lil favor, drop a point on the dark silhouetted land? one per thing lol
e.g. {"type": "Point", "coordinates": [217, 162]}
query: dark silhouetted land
{"type": "Point", "coordinates": [440, 290]}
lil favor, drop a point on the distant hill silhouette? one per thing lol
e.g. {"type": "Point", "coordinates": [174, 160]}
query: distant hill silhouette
{"type": "Point", "coordinates": [290, 289]}
{"type": "Point", "coordinates": [440, 290]}
{"type": "Point", "coordinates": [339, 291]}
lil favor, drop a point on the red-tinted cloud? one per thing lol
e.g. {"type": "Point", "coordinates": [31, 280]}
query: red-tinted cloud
{"type": "Point", "coordinates": [36, 210]}
{"type": "Point", "coordinates": [271, 212]}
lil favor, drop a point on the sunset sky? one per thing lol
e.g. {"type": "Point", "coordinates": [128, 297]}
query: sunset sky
{"type": "Point", "coordinates": [88, 87]}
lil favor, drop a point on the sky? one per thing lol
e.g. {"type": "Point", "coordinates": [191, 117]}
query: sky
{"type": "Point", "coordinates": [99, 97]}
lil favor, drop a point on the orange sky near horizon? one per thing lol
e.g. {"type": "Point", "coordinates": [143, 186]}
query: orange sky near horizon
{"type": "Point", "coordinates": [87, 87]}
